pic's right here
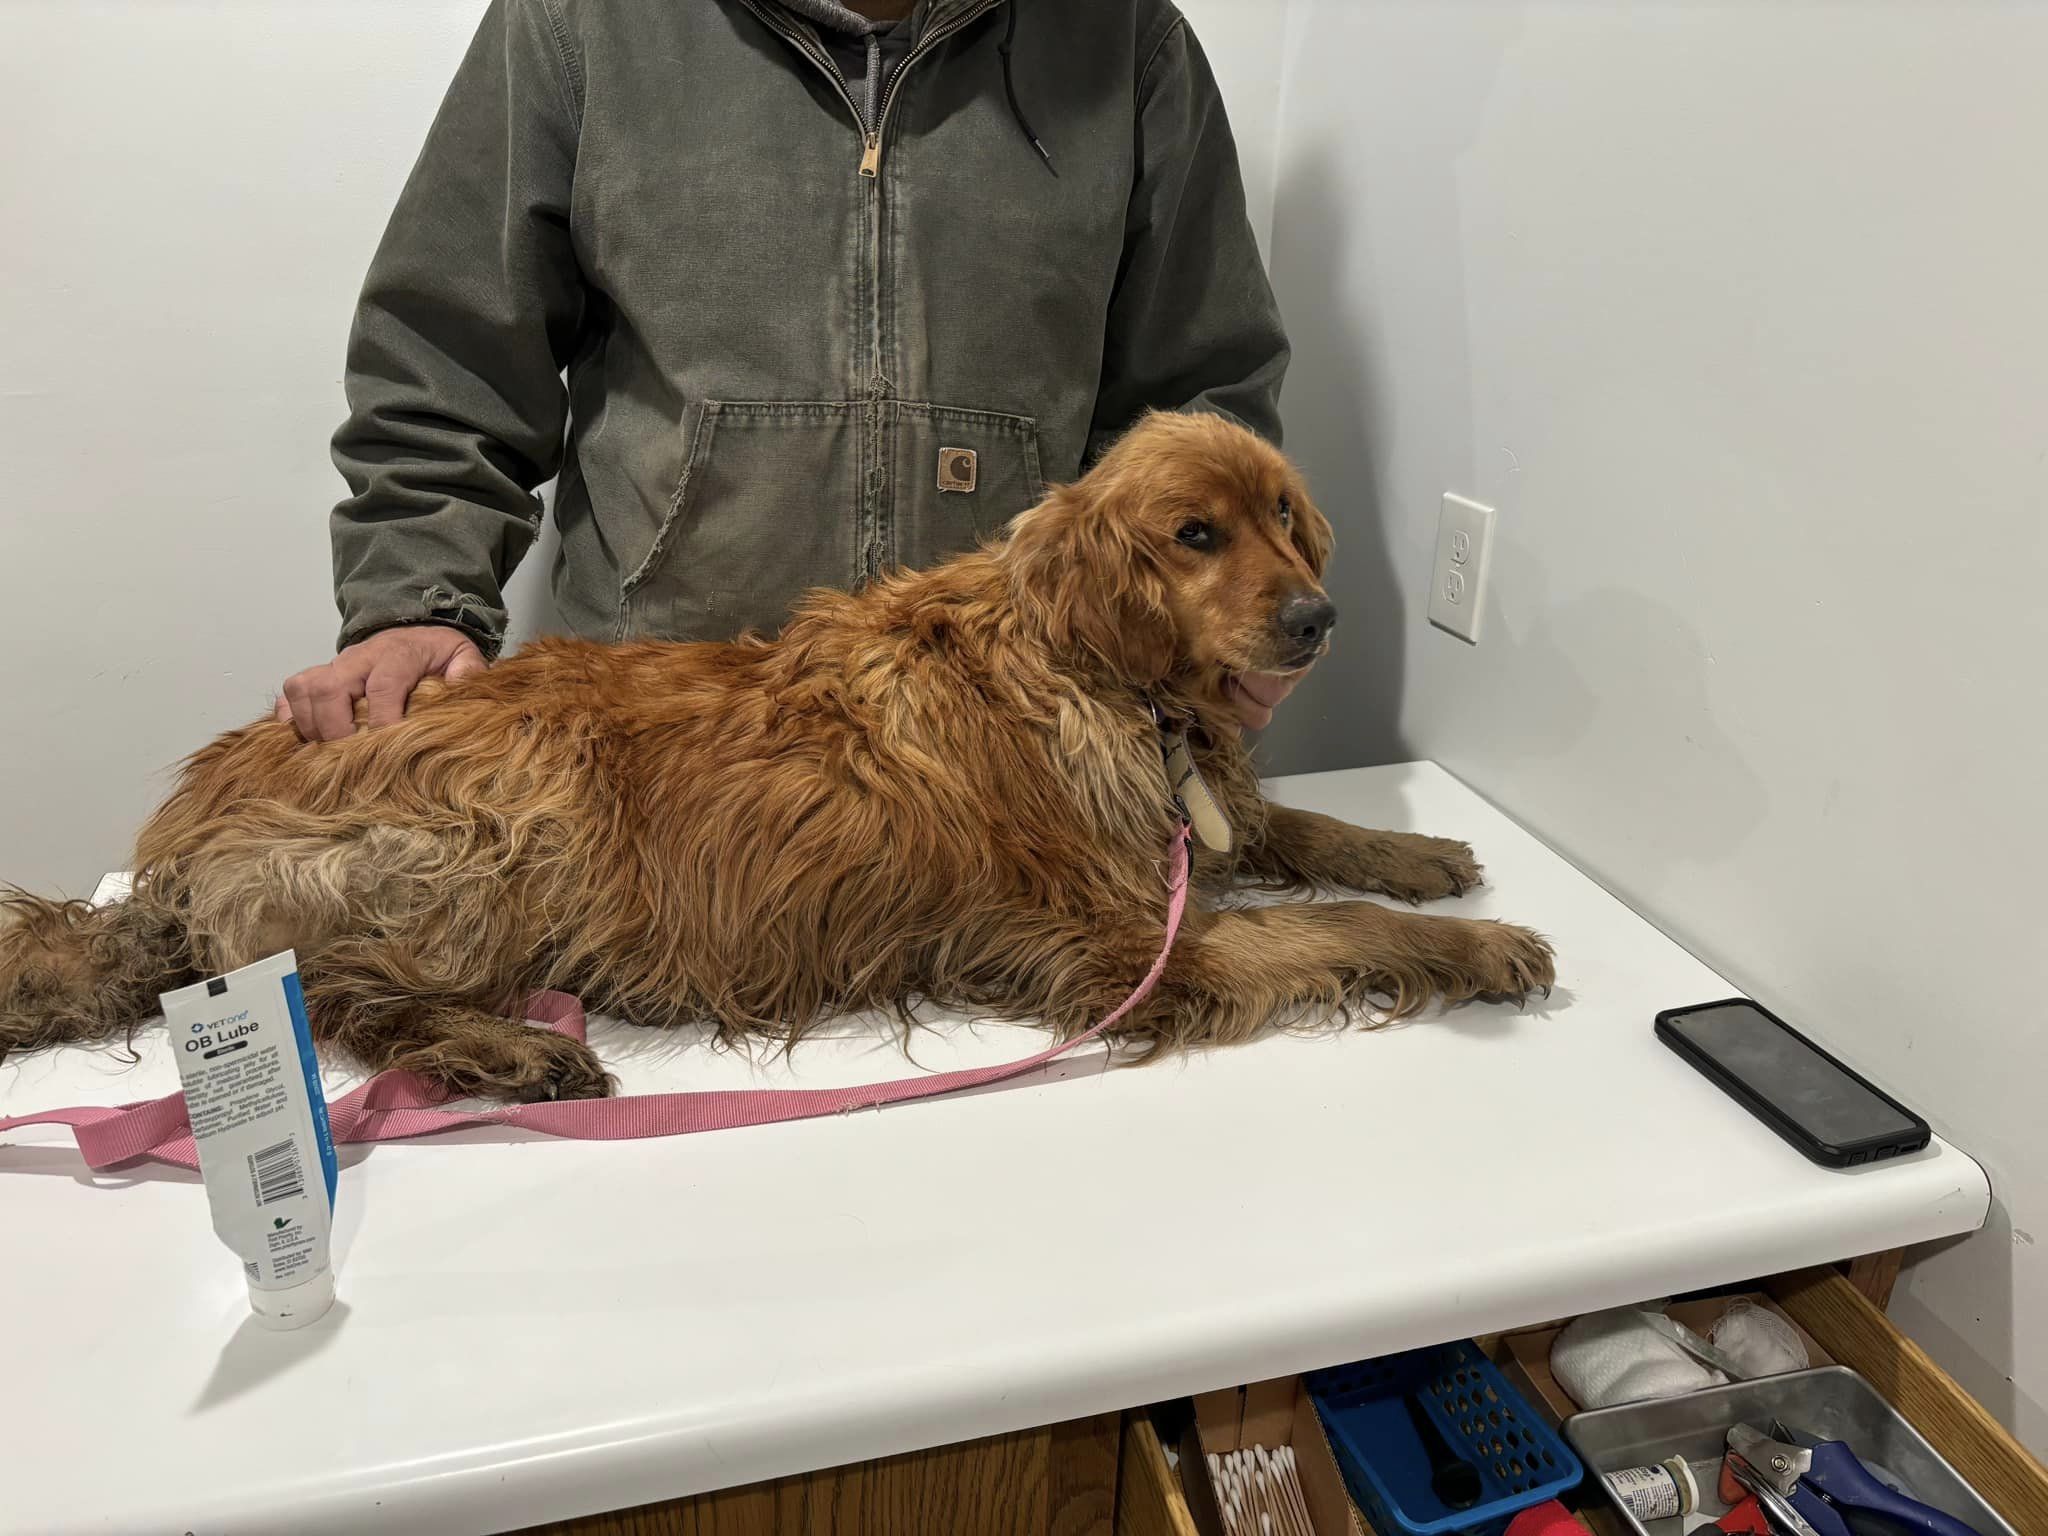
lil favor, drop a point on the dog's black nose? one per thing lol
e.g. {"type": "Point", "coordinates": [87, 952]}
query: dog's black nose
{"type": "Point", "coordinates": [1306, 618]}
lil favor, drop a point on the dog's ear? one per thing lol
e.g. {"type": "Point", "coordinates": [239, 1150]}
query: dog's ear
{"type": "Point", "coordinates": [1312, 535]}
{"type": "Point", "coordinates": [1081, 574]}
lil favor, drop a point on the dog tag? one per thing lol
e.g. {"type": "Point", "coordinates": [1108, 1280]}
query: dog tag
{"type": "Point", "coordinates": [1185, 780]}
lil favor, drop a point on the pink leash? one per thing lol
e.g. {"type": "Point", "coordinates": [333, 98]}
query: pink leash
{"type": "Point", "coordinates": [394, 1105]}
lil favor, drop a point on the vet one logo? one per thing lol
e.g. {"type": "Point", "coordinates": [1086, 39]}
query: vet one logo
{"type": "Point", "coordinates": [212, 1032]}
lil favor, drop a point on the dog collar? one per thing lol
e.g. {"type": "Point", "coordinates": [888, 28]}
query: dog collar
{"type": "Point", "coordinates": [1184, 785]}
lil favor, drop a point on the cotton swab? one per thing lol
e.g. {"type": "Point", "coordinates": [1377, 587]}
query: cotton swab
{"type": "Point", "coordinates": [1290, 1483]}
{"type": "Point", "coordinates": [1258, 1492]}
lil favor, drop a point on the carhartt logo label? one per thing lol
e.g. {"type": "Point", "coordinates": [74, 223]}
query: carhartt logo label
{"type": "Point", "coordinates": [956, 469]}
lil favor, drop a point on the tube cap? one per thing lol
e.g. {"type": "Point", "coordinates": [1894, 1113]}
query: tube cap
{"type": "Point", "coordinates": [294, 1308]}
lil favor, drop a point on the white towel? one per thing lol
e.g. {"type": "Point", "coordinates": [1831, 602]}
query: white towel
{"type": "Point", "coordinates": [1757, 1341]}
{"type": "Point", "coordinates": [1622, 1356]}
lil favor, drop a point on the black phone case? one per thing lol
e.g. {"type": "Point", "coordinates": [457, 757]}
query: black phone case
{"type": "Point", "coordinates": [1829, 1155]}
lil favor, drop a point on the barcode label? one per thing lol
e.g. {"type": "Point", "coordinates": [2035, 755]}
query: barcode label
{"type": "Point", "coordinates": [277, 1173]}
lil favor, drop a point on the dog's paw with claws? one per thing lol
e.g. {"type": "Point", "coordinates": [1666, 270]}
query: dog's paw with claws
{"type": "Point", "coordinates": [1511, 962]}
{"type": "Point", "coordinates": [568, 1069]}
{"type": "Point", "coordinates": [1413, 868]}
{"type": "Point", "coordinates": [528, 1065]}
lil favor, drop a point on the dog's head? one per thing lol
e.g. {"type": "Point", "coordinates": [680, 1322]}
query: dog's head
{"type": "Point", "coordinates": [1190, 553]}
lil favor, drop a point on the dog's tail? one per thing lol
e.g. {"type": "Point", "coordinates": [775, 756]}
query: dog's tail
{"type": "Point", "coordinates": [70, 971]}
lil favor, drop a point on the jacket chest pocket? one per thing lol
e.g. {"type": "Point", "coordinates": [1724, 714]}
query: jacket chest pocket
{"type": "Point", "coordinates": [767, 507]}
{"type": "Point", "coordinates": [961, 475]}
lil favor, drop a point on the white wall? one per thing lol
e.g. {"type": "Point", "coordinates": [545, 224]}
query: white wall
{"type": "Point", "coordinates": [190, 194]}
{"type": "Point", "coordinates": [1737, 313]}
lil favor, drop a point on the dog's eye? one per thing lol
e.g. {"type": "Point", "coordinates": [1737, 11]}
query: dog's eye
{"type": "Point", "coordinates": [1286, 513]}
{"type": "Point", "coordinates": [1196, 534]}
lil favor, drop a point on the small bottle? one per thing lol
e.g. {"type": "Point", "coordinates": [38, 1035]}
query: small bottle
{"type": "Point", "coordinates": [1663, 1492]}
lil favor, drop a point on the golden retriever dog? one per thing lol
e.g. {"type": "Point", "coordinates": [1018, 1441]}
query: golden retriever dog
{"type": "Point", "coordinates": [948, 787]}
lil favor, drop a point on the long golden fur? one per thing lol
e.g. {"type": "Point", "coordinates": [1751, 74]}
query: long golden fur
{"type": "Point", "coordinates": [947, 787]}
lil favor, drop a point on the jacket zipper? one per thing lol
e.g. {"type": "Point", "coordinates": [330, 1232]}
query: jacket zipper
{"type": "Point", "coordinates": [871, 147]}
{"type": "Point", "coordinates": [871, 133]}
{"type": "Point", "coordinates": [869, 169]}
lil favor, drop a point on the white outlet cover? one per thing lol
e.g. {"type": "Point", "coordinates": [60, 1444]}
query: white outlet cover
{"type": "Point", "coordinates": [1457, 583]}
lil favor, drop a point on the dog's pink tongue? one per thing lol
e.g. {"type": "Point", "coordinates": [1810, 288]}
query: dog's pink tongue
{"type": "Point", "coordinates": [1267, 689]}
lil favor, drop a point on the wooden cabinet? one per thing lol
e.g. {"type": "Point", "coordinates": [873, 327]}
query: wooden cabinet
{"type": "Point", "coordinates": [1110, 1476]}
{"type": "Point", "coordinates": [1057, 1480]}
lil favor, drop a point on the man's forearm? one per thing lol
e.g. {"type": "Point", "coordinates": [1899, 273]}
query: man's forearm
{"type": "Point", "coordinates": [470, 309]}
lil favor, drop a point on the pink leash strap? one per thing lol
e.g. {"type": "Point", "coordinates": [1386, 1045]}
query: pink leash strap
{"type": "Point", "coordinates": [394, 1105]}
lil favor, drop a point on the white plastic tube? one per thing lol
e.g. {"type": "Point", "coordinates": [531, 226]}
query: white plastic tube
{"type": "Point", "coordinates": [259, 1119]}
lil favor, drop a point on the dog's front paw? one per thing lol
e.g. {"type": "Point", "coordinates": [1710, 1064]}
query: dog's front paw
{"type": "Point", "coordinates": [1414, 868]}
{"type": "Point", "coordinates": [1510, 961]}
{"type": "Point", "coordinates": [1410, 961]}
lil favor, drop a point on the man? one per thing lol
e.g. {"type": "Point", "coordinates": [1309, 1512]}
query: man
{"type": "Point", "coordinates": [827, 301]}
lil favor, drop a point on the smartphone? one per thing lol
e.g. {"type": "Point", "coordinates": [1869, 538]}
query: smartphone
{"type": "Point", "coordinates": [1825, 1110]}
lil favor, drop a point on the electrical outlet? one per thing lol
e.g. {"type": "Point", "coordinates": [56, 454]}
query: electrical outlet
{"type": "Point", "coordinates": [1457, 584]}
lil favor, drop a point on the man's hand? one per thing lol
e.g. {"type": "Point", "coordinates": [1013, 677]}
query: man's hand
{"type": "Point", "coordinates": [383, 670]}
{"type": "Point", "coordinates": [1254, 695]}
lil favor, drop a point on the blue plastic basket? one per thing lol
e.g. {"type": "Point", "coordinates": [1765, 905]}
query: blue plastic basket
{"type": "Point", "coordinates": [1520, 1460]}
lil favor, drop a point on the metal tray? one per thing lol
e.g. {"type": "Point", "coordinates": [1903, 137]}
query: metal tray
{"type": "Point", "coordinates": [1832, 1402]}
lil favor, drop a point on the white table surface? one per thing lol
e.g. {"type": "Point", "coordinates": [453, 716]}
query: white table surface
{"type": "Point", "coordinates": [531, 1329]}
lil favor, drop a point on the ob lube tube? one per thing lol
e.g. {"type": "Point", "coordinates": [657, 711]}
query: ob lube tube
{"type": "Point", "coordinates": [259, 1119]}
